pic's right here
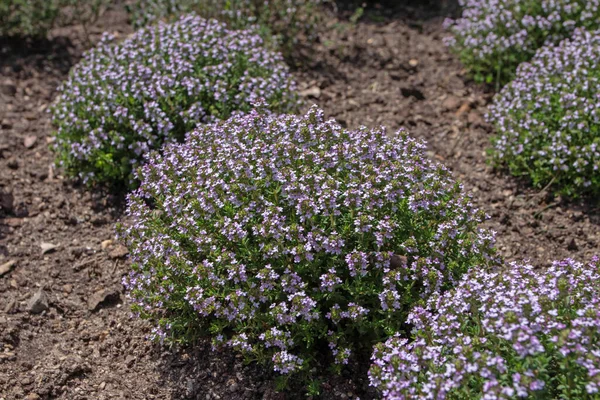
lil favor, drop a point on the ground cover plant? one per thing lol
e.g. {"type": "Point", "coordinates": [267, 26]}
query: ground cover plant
{"type": "Point", "coordinates": [281, 20]}
{"type": "Point", "coordinates": [124, 99]}
{"type": "Point", "coordinates": [293, 240]}
{"type": "Point", "coordinates": [35, 17]}
{"type": "Point", "coordinates": [492, 37]}
{"type": "Point", "coordinates": [548, 119]}
{"type": "Point", "coordinates": [516, 333]}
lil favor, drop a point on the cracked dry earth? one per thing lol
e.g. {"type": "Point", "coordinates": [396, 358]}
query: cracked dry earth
{"type": "Point", "coordinates": [65, 328]}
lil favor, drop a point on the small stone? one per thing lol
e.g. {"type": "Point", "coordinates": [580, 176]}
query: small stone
{"type": "Point", "coordinates": [106, 243]}
{"type": "Point", "coordinates": [312, 91]}
{"type": "Point", "coordinates": [413, 62]}
{"type": "Point", "coordinates": [10, 306]}
{"type": "Point", "coordinates": [233, 387]}
{"type": "Point", "coordinates": [102, 385]}
{"type": "Point", "coordinates": [29, 141]}
{"type": "Point", "coordinates": [32, 396]}
{"type": "Point", "coordinates": [38, 303]}
{"type": "Point", "coordinates": [67, 288]}
{"type": "Point", "coordinates": [13, 163]}
{"type": "Point", "coordinates": [451, 103]}
{"type": "Point", "coordinates": [6, 267]}
{"type": "Point", "coordinates": [48, 247]}
{"type": "Point", "coordinates": [119, 251]}
{"type": "Point", "coordinates": [103, 297]}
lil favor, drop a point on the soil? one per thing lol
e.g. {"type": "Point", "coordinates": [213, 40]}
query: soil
{"type": "Point", "coordinates": [65, 327]}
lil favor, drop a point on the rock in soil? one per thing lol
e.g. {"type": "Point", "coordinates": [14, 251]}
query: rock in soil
{"type": "Point", "coordinates": [29, 141]}
{"type": "Point", "coordinates": [6, 267]}
{"type": "Point", "coordinates": [103, 297]}
{"type": "Point", "coordinates": [48, 247]}
{"type": "Point", "coordinates": [119, 251]}
{"type": "Point", "coordinates": [38, 303]}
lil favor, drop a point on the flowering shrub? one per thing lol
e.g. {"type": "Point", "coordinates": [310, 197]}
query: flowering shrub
{"type": "Point", "coordinates": [125, 99]}
{"type": "Point", "coordinates": [36, 17]}
{"type": "Point", "coordinates": [284, 19]}
{"type": "Point", "coordinates": [517, 333]}
{"type": "Point", "coordinates": [293, 240]}
{"type": "Point", "coordinates": [548, 118]}
{"type": "Point", "coordinates": [494, 36]}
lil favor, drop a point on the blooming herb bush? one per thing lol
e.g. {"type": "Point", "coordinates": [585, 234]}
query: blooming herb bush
{"type": "Point", "coordinates": [293, 240]}
{"type": "Point", "coordinates": [548, 118]}
{"type": "Point", "coordinates": [36, 17]}
{"type": "Point", "coordinates": [125, 99]}
{"type": "Point", "coordinates": [494, 36]}
{"type": "Point", "coordinates": [283, 19]}
{"type": "Point", "coordinates": [516, 333]}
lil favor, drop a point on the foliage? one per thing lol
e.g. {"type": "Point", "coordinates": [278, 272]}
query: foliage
{"type": "Point", "coordinates": [548, 118]}
{"type": "Point", "coordinates": [494, 36]}
{"type": "Point", "coordinates": [126, 99]}
{"type": "Point", "coordinates": [282, 20]}
{"type": "Point", "coordinates": [293, 240]}
{"type": "Point", "coordinates": [35, 17]}
{"type": "Point", "coordinates": [516, 333]}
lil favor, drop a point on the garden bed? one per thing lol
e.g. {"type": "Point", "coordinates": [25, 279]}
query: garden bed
{"type": "Point", "coordinates": [392, 71]}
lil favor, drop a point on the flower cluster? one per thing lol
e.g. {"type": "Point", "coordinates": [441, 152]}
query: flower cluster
{"type": "Point", "coordinates": [282, 20]}
{"type": "Point", "coordinates": [284, 235]}
{"type": "Point", "coordinates": [126, 99]}
{"type": "Point", "coordinates": [36, 17]}
{"type": "Point", "coordinates": [548, 118]}
{"type": "Point", "coordinates": [494, 36]}
{"type": "Point", "coordinates": [516, 333]}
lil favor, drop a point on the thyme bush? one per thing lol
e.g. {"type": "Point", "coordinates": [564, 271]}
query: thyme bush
{"type": "Point", "coordinates": [282, 20]}
{"type": "Point", "coordinates": [492, 37]}
{"type": "Point", "coordinates": [293, 240]}
{"type": "Point", "coordinates": [516, 333]}
{"type": "Point", "coordinates": [548, 119]}
{"type": "Point", "coordinates": [125, 99]}
{"type": "Point", "coordinates": [34, 18]}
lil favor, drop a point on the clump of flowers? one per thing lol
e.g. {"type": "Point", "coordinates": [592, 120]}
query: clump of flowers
{"type": "Point", "coordinates": [282, 20]}
{"type": "Point", "coordinates": [293, 240]}
{"type": "Point", "coordinates": [35, 17]}
{"type": "Point", "coordinates": [493, 37]}
{"type": "Point", "coordinates": [515, 333]}
{"type": "Point", "coordinates": [548, 118]}
{"type": "Point", "coordinates": [125, 99]}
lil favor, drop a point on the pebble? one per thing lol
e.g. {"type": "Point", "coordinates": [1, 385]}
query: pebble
{"type": "Point", "coordinates": [6, 267]}
{"type": "Point", "coordinates": [29, 141]}
{"type": "Point", "coordinates": [103, 296]}
{"type": "Point", "coordinates": [48, 247]}
{"type": "Point", "coordinates": [38, 302]}
{"type": "Point", "coordinates": [119, 251]}
{"type": "Point", "coordinates": [313, 91]}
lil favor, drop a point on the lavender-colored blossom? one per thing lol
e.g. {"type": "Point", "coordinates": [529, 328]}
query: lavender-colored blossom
{"type": "Point", "coordinates": [125, 99]}
{"type": "Point", "coordinates": [249, 228]}
{"type": "Point", "coordinates": [518, 332]}
{"type": "Point", "coordinates": [548, 118]}
{"type": "Point", "coordinates": [494, 36]}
